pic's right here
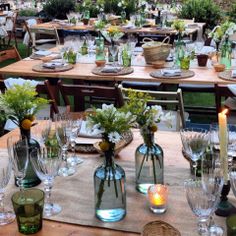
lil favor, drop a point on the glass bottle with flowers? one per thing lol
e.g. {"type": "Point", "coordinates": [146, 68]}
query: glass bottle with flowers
{"type": "Point", "coordinates": [179, 26]}
{"type": "Point", "coordinates": [20, 104]}
{"type": "Point", "coordinates": [149, 165]}
{"type": "Point", "coordinates": [122, 5]}
{"type": "Point", "coordinates": [109, 178]}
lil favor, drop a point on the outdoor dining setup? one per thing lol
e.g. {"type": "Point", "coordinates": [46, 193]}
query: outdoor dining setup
{"type": "Point", "coordinates": [97, 137]}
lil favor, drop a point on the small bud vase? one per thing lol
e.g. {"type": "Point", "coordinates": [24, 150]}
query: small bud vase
{"type": "Point", "coordinates": [149, 165]}
{"type": "Point", "coordinates": [110, 189]}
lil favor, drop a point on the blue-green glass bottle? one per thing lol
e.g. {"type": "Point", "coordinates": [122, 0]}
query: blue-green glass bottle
{"type": "Point", "coordinates": [110, 190]}
{"type": "Point", "coordinates": [149, 165]}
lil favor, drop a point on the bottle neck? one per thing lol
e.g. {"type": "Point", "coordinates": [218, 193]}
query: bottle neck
{"type": "Point", "coordinates": [148, 137]}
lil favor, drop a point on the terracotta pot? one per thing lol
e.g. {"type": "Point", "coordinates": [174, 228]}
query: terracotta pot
{"type": "Point", "coordinates": [202, 59]}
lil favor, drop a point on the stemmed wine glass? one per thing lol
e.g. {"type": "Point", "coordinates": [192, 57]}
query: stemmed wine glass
{"type": "Point", "coordinates": [212, 183]}
{"type": "Point", "coordinates": [6, 216]}
{"type": "Point", "coordinates": [194, 143]}
{"type": "Point", "coordinates": [201, 203]}
{"type": "Point", "coordinates": [114, 51]}
{"type": "Point", "coordinates": [46, 163]}
{"type": "Point", "coordinates": [63, 134]}
{"type": "Point", "coordinates": [73, 129]}
{"type": "Point", "coordinates": [18, 152]}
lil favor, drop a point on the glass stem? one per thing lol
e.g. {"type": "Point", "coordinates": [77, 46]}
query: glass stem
{"type": "Point", "coordinates": [202, 226]}
{"type": "Point", "coordinates": [1, 201]}
{"type": "Point", "coordinates": [195, 169]}
{"type": "Point", "coordinates": [48, 189]}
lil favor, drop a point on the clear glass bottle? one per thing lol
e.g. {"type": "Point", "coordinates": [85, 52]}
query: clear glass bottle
{"type": "Point", "coordinates": [110, 190]}
{"type": "Point", "coordinates": [149, 165]}
{"type": "Point", "coordinates": [225, 53]}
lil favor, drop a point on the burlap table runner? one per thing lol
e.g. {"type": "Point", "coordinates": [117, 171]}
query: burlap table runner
{"type": "Point", "coordinates": [76, 194]}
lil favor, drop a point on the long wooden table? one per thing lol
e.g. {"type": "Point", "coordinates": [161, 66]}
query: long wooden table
{"type": "Point", "coordinates": [145, 30]}
{"type": "Point", "coordinates": [171, 144]}
{"type": "Point", "coordinates": [23, 68]}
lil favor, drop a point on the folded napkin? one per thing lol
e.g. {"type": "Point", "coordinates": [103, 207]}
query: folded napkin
{"type": "Point", "coordinates": [42, 53]}
{"type": "Point", "coordinates": [86, 131]}
{"type": "Point", "coordinates": [171, 72]}
{"type": "Point", "coordinates": [130, 25]}
{"type": "Point", "coordinates": [53, 65]}
{"type": "Point", "coordinates": [12, 81]}
{"type": "Point", "coordinates": [111, 69]}
{"type": "Point", "coordinates": [207, 50]}
{"type": "Point", "coordinates": [233, 73]}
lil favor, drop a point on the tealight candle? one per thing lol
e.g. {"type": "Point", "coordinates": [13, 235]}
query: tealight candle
{"type": "Point", "coordinates": [157, 198]}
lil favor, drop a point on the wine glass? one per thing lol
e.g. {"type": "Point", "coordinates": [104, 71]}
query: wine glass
{"type": "Point", "coordinates": [18, 152]}
{"type": "Point", "coordinates": [212, 182]}
{"type": "Point", "coordinates": [201, 203]}
{"type": "Point", "coordinates": [6, 216]}
{"type": "Point", "coordinates": [114, 51]}
{"type": "Point", "coordinates": [63, 134]}
{"type": "Point", "coordinates": [194, 143]}
{"type": "Point", "coordinates": [90, 41]}
{"type": "Point", "coordinates": [46, 163]}
{"type": "Point", "coordinates": [74, 126]}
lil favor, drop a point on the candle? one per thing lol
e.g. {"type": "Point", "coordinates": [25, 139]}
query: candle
{"type": "Point", "coordinates": [223, 136]}
{"type": "Point", "coordinates": [157, 198]}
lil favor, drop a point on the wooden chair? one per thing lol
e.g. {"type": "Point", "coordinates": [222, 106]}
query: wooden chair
{"type": "Point", "coordinates": [6, 55]}
{"type": "Point", "coordinates": [12, 32]}
{"type": "Point", "coordinates": [45, 89]}
{"type": "Point", "coordinates": [42, 43]}
{"type": "Point", "coordinates": [163, 98]}
{"type": "Point", "coordinates": [99, 94]}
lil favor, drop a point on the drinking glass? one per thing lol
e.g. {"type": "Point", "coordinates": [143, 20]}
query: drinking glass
{"type": "Point", "coordinates": [46, 165]}
{"type": "Point", "coordinates": [18, 152]}
{"type": "Point", "coordinates": [90, 41]}
{"type": "Point", "coordinates": [63, 134]}
{"type": "Point", "coordinates": [114, 51]}
{"type": "Point", "coordinates": [73, 129]}
{"type": "Point", "coordinates": [6, 216]}
{"type": "Point", "coordinates": [201, 203]}
{"type": "Point", "coordinates": [194, 143]}
{"type": "Point", "coordinates": [212, 182]}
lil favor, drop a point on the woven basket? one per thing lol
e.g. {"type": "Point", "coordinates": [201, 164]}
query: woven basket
{"type": "Point", "coordinates": [159, 228]}
{"type": "Point", "coordinates": [156, 51]}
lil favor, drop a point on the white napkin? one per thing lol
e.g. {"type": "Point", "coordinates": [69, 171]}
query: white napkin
{"type": "Point", "coordinates": [171, 72]}
{"type": "Point", "coordinates": [110, 69]}
{"type": "Point", "coordinates": [11, 81]}
{"type": "Point", "coordinates": [89, 132]}
{"type": "Point", "coordinates": [233, 73]}
{"type": "Point", "coordinates": [130, 25]}
{"type": "Point", "coordinates": [207, 50]}
{"type": "Point", "coordinates": [53, 65]}
{"type": "Point", "coordinates": [42, 53]}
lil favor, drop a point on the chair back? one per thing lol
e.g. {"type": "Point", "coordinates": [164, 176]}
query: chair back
{"type": "Point", "coordinates": [10, 53]}
{"type": "Point", "coordinates": [49, 31]}
{"type": "Point", "coordinates": [167, 99]}
{"type": "Point", "coordinates": [94, 94]}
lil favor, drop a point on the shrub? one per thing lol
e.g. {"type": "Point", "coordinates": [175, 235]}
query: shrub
{"type": "Point", "coordinates": [202, 11]}
{"type": "Point", "coordinates": [58, 8]}
{"type": "Point", "coordinates": [232, 13]}
{"type": "Point", "coordinates": [28, 12]}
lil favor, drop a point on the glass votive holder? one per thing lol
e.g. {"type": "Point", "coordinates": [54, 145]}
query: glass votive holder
{"type": "Point", "coordinates": [231, 225]}
{"type": "Point", "coordinates": [157, 198]}
{"type": "Point", "coordinates": [28, 206]}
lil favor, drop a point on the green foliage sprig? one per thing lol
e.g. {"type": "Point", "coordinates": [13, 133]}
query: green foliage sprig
{"type": "Point", "coordinates": [21, 102]}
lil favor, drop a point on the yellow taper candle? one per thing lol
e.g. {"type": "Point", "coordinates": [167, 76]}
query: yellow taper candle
{"type": "Point", "coordinates": [223, 136]}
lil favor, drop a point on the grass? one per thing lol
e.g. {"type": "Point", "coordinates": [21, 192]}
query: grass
{"type": "Point", "coordinates": [197, 99]}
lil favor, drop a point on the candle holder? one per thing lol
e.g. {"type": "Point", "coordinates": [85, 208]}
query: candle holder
{"type": "Point", "coordinates": [225, 208]}
{"type": "Point", "coordinates": [157, 198]}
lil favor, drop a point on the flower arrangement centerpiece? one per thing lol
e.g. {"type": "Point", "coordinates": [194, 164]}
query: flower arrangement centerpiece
{"type": "Point", "coordinates": [149, 155]}
{"type": "Point", "coordinates": [112, 33]}
{"type": "Point", "coordinates": [220, 34]}
{"type": "Point", "coordinates": [20, 104]}
{"type": "Point", "coordinates": [123, 5]}
{"type": "Point", "coordinates": [109, 178]}
{"type": "Point", "coordinates": [179, 26]}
